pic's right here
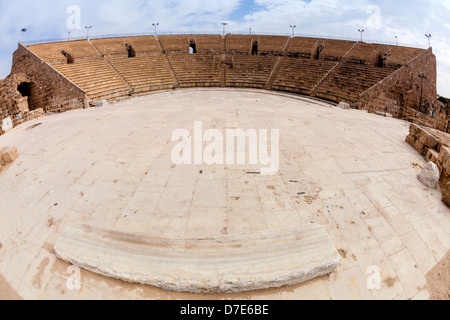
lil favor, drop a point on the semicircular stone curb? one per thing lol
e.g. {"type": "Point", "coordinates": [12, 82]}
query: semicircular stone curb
{"type": "Point", "coordinates": [230, 264]}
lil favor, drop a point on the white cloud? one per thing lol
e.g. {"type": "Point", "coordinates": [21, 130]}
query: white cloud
{"type": "Point", "coordinates": [409, 20]}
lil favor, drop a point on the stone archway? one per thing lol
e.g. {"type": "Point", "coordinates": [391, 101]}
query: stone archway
{"type": "Point", "coordinates": [31, 91]}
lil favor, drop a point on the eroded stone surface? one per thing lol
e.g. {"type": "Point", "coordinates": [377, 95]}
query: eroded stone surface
{"type": "Point", "coordinates": [236, 263]}
{"type": "Point", "coordinates": [9, 154]}
{"type": "Point", "coordinates": [429, 176]}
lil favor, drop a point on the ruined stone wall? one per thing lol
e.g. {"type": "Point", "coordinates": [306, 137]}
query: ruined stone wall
{"type": "Point", "coordinates": [13, 105]}
{"type": "Point", "coordinates": [402, 90]}
{"type": "Point", "coordinates": [435, 147]}
{"type": "Point", "coordinates": [55, 92]}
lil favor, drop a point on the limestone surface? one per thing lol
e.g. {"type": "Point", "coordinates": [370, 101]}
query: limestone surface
{"type": "Point", "coordinates": [429, 176]}
{"type": "Point", "coordinates": [228, 264]}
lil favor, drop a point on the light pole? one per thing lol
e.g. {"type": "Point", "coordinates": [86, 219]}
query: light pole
{"type": "Point", "coordinates": [293, 30]}
{"type": "Point", "coordinates": [156, 26]}
{"type": "Point", "coordinates": [422, 77]}
{"type": "Point", "coordinates": [224, 24]}
{"type": "Point", "coordinates": [396, 40]}
{"type": "Point", "coordinates": [87, 31]}
{"type": "Point", "coordinates": [361, 31]}
{"type": "Point", "coordinates": [250, 31]}
{"type": "Point", "coordinates": [68, 37]}
{"type": "Point", "coordinates": [23, 32]}
{"type": "Point", "coordinates": [429, 40]}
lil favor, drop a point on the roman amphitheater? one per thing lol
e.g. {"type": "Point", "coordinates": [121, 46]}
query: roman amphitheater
{"type": "Point", "coordinates": [92, 205]}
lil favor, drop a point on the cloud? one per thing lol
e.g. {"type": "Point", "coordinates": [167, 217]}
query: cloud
{"type": "Point", "coordinates": [382, 20]}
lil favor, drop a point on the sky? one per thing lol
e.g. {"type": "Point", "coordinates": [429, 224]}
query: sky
{"type": "Point", "coordinates": [382, 21]}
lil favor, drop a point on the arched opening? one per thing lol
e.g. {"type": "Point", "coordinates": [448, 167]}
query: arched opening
{"type": "Point", "coordinates": [255, 48]}
{"type": "Point", "coordinates": [316, 53]}
{"type": "Point", "coordinates": [192, 47]}
{"type": "Point", "coordinates": [131, 51]}
{"type": "Point", "coordinates": [70, 59]}
{"type": "Point", "coordinates": [380, 61]}
{"type": "Point", "coordinates": [31, 91]}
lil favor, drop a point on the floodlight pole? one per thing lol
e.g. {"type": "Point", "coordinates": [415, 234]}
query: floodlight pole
{"type": "Point", "coordinates": [156, 26]}
{"type": "Point", "coordinates": [361, 31]}
{"type": "Point", "coordinates": [23, 33]}
{"type": "Point", "coordinates": [293, 30]}
{"type": "Point", "coordinates": [429, 40]}
{"type": "Point", "coordinates": [87, 31]}
{"type": "Point", "coordinates": [224, 24]}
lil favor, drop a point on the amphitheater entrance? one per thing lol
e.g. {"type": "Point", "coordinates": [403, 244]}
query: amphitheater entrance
{"type": "Point", "coordinates": [192, 47]}
{"type": "Point", "coordinates": [31, 91]}
{"type": "Point", "coordinates": [380, 61]}
{"type": "Point", "coordinates": [255, 48]}
{"type": "Point", "coordinates": [131, 51]}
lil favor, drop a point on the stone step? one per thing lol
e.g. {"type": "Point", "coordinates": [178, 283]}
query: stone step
{"type": "Point", "coordinates": [235, 263]}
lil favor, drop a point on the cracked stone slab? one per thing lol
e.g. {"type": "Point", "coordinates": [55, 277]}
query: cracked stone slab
{"type": "Point", "coordinates": [235, 263]}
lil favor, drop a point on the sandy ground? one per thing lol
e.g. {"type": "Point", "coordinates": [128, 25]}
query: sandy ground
{"type": "Point", "coordinates": [438, 280]}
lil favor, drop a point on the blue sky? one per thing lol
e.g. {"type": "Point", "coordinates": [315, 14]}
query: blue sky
{"type": "Point", "coordinates": [382, 21]}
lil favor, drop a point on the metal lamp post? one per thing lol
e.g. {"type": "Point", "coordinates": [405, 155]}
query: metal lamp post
{"type": "Point", "coordinates": [23, 32]}
{"type": "Point", "coordinates": [293, 30]}
{"type": "Point", "coordinates": [224, 24]}
{"type": "Point", "coordinates": [361, 31]}
{"type": "Point", "coordinates": [156, 26]}
{"type": "Point", "coordinates": [87, 31]}
{"type": "Point", "coordinates": [429, 40]}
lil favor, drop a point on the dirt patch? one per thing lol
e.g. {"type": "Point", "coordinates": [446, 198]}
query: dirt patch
{"type": "Point", "coordinates": [390, 282]}
{"type": "Point", "coordinates": [438, 280]}
{"type": "Point", "coordinates": [343, 253]}
{"type": "Point", "coordinates": [7, 292]}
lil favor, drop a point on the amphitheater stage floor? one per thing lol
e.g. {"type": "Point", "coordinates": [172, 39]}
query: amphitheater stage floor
{"type": "Point", "coordinates": [349, 171]}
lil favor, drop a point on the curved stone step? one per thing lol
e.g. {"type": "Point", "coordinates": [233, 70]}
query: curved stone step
{"type": "Point", "coordinates": [236, 263]}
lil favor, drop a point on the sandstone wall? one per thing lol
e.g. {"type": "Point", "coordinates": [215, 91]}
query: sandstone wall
{"type": "Point", "coordinates": [434, 145]}
{"type": "Point", "coordinates": [56, 92]}
{"type": "Point", "coordinates": [401, 91]}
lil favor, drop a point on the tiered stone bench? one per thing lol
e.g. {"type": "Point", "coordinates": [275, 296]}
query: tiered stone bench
{"type": "Point", "coordinates": [302, 47]}
{"type": "Point", "coordinates": [335, 49]}
{"type": "Point", "coordinates": [301, 75]}
{"type": "Point", "coordinates": [250, 71]}
{"type": "Point", "coordinates": [81, 50]}
{"type": "Point", "coordinates": [97, 78]}
{"type": "Point", "coordinates": [349, 80]}
{"type": "Point", "coordinates": [116, 47]}
{"type": "Point", "coordinates": [196, 70]}
{"type": "Point", "coordinates": [234, 263]}
{"type": "Point", "coordinates": [145, 74]}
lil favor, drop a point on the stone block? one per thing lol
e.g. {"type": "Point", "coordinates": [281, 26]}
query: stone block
{"type": "Point", "coordinates": [9, 154]}
{"type": "Point", "coordinates": [429, 176]}
{"type": "Point", "coordinates": [444, 159]}
{"type": "Point", "coordinates": [230, 264]}
{"type": "Point", "coordinates": [419, 146]}
{"type": "Point", "coordinates": [414, 129]}
{"type": "Point", "coordinates": [428, 140]}
{"type": "Point", "coordinates": [445, 187]}
{"type": "Point", "coordinates": [432, 156]}
{"type": "Point", "coordinates": [344, 105]}
{"type": "Point", "coordinates": [411, 140]}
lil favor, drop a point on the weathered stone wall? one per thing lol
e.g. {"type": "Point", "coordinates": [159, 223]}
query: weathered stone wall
{"type": "Point", "coordinates": [49, 91]}
{"type": "Point", "coordinates": [13, 104]}
{"type": "Point", "coordinates": [402, 90]}
{"type": "Point", "coordinates": [434, 145]}
{"type": "Point", "coordinates": [55, 90]}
